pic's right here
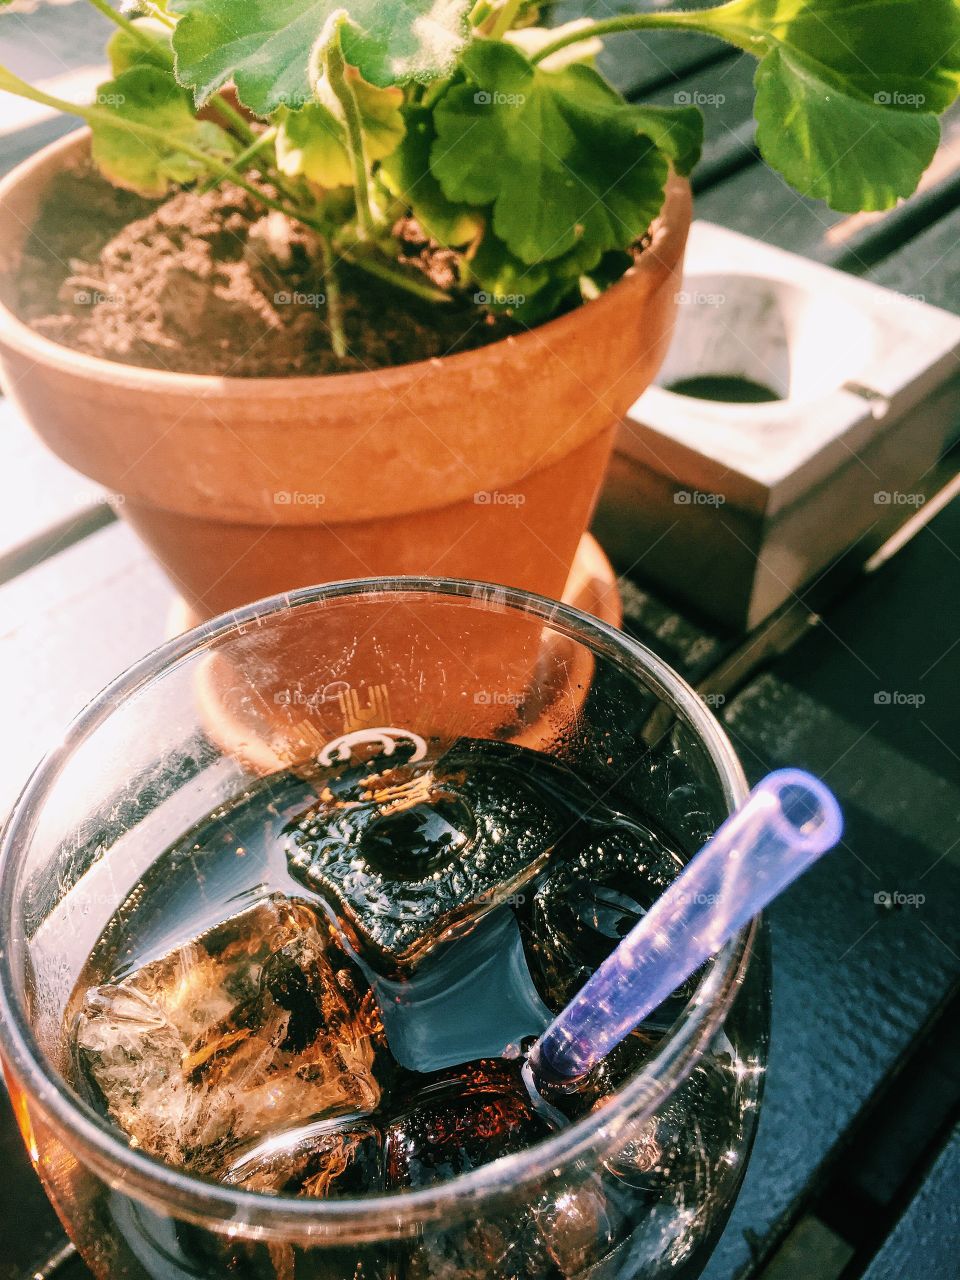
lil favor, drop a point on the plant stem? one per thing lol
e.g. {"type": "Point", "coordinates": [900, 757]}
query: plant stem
{"type": "Point", "coordinates": [243, 159]}
{"type": "Point", "coordinates": [232, 117]}
{"type": "Point", "coordinates": [338, 336]}
{"type": "Point", "coordinates": [480, 13]}
{"type": "Point", "coordinates": [336, 68]}
{"type": "Point", "coordinates": [704, 20]}
{"type": "Point", "coordinates": [158, 15]}
{"type": "Point", "coordinates": [121, 20]}
{"type": "Point", "coordinates": [13, 84]}
{"type": "Point", "coordinates": [382, 269]}
{"type": "Point", "coordinates": [505, 19]}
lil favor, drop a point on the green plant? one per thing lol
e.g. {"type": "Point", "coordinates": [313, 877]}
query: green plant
{"type": "Point", "coordinates": [499, 136]}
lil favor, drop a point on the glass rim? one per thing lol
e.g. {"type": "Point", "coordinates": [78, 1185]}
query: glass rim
{"type": "Point", "coordinates": [366, 1218]}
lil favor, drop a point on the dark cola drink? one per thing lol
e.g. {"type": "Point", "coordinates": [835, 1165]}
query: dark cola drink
{"type": "Point", "coordinates": [327, 989]}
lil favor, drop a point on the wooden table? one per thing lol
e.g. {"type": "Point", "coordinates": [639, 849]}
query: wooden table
{"type": "Point", "coordinates": [858, 1155]}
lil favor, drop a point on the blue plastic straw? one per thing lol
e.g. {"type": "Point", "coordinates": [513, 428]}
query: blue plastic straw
{"type": "Point", "coordinates": [786, 823]}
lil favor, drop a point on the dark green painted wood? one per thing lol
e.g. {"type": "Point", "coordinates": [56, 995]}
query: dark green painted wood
{"type": "Point", "coordinates": [926, 1241]}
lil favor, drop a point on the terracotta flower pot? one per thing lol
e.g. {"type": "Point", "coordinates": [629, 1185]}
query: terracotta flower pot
{"type": "Point", "coordinates": [480, 465]}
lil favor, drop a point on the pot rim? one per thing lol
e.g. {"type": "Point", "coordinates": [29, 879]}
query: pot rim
{"type": "Point", "coordinates": [385, 1215]}
{"type": "Point", "coordinates": [658, 259]}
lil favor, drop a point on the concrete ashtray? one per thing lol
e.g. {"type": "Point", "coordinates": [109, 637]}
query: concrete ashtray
{"type": "Point", "coordinates": [797, 407]}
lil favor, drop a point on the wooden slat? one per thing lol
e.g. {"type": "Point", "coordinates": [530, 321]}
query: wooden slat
{"type": "Point", "coordinates": [52, 39]}
{"type": "Point", "coordinates": [724, 93]}
{"type": "Point", "coordinates": [926, 1242]}
{"type": "Point", "coordinates": [758, 202]}
{"type": "Point", "coordinates": [637, 62]}
{"type": "Point", "coordinates": [22, 144]}
{"type": "Point", "coordinates": [44, 504]}
{"type": "Point", "coordinates": [928, 267]}
{"type": "Point", "coordinates": [69, 626]}
{"type": "Point", "coordinates": [855, 982]}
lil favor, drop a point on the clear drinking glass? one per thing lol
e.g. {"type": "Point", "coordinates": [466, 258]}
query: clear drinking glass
{"type": "Point", "coordinates": [639, 1187]}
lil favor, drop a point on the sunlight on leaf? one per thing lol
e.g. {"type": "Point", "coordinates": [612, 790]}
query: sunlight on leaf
{"type": "Point", "coordinates": [848, 91]}
{"type": "Point", "coordinates": [904, 52]}
{"type": "Point", "coordinates": [853, 154]}
{"type": "Point", "coordinates": [312, 142]}
{"type": "Point", "coordinates": [145, 95]}
{"type": "Point", "coordinates": [265, 46]}
{"type": "Point", "coordinates": [558, 155]}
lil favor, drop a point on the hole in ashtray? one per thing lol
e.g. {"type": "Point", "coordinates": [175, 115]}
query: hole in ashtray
{"type": "Point", "coordinates": [754, 340]}
{"type": "Point", "coordinates": [802, 809]}
{"type": "Point", "coordinates": [724, 388]}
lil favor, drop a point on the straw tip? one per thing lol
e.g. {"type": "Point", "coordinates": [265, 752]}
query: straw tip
{"type": "Point", "coordinates": [808, 806]}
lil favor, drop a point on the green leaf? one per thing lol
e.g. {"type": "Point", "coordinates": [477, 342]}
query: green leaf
{"type": "Point", "coordinates": [848, 90]}
{"type": "Point", "coordinates": [677, 131]}
{"type": "Point", "coordinates": [147, 96]}
{"type": "Point", "coordinates": [310, 142]}
{"type": "Point", "coordinates": [267, 47]}
{"type": "Point", "coordinates": [899, 53]}
{"type": "Point", "coordinates": [562, 160]}
{"type": "Point", "coordinates": [153, 49]}
{"type": "Point", "coordinates": [406, 174]}
{"type": "Point", "coordinates": [508, 286]}
{"type": "Point", "coordinates": [852, 154]}
{"type": "Point", "coordinates": [313, 142]}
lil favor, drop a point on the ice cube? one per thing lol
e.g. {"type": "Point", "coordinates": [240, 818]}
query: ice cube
{"type": "Point", "coordinates": [682, 1146]}
{"type": "Point", "coordinates": [460, 1120]}
{"type": "Point", "coordinates": [258, 1024]}
{"type": "Point", "coordinates": [409, 854]}
{"type": "Point", "coordinates": [326, 1159]}
{"type": "Point", "coordinates": [464, 1119]}
{"type": "Point", "coordinates": [470, 999]}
